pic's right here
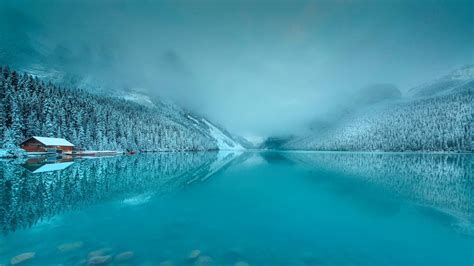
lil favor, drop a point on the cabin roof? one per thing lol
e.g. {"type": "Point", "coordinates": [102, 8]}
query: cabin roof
{"type": "Point", "coordinates": [51, 141]}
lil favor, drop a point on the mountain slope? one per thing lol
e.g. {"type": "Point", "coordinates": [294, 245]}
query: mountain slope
{"type": "Point", "coordinates": [223, 139]}
{"type": "Point", "coordinates": [30, 106]}
{"type": "Point", "coordinates": [437, 117]}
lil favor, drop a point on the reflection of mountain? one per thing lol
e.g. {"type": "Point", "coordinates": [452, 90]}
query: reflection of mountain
{"type": "Point", "coordinates": [441, 181]}
{"type": "Point", "coordinates": [27, 199]}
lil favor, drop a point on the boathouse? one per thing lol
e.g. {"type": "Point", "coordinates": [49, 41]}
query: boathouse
{"type": "Point", "coordinates": [49, 145]}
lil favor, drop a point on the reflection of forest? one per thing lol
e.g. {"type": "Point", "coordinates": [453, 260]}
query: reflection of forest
{"type": "Point", "coordinates": [26, 198]}
{"type": "Point", "coordinates": [442, 181]}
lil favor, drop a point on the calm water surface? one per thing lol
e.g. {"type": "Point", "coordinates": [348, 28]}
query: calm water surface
{"type": "Point", "coordinates": [259, 208]}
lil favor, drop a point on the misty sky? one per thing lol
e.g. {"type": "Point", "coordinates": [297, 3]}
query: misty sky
{"type": "Point", "coordinates": [258, 68]}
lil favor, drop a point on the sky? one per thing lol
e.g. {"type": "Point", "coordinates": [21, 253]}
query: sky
{"type": "Point", "coordinates": [258, 68]}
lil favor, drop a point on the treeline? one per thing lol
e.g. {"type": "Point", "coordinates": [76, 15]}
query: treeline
{"type": "Point", "coordinates": [32, 107]}
{"type": "Point", "coordinates": [441, 123]}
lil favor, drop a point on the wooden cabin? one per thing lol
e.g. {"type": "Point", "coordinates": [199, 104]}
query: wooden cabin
{"type": "Point", "coordinates": [44, 144]}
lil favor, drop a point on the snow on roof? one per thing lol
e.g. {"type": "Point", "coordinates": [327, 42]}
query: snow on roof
{"type": "Point", "coordinates": [53, 167]}
{"type": "Point", "coordinates": [53, 141]}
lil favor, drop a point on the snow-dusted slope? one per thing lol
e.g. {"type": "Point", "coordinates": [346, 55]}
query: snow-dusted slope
{"type": "Point", "coordinates": [120, 120]}
{"type": "Point", "coordinates": [165, 108]}
{"type": "Point", "coordinates": [224, 142]}
{"type": "Point", "coordinates": [438, 117]}
{"type": "Point", "coordinates": [223, 138]}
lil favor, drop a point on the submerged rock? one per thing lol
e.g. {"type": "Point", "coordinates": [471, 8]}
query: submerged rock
{"type": "Point", "coordinates": [70, 246]}
{"type": "Point", "coordinates": [22, 258]}
{"type": "Point", "coordinates": [99, 260]}
{"type": "Point", "coordinates": [241, 263]}
{"type": "Point", "coordinates": [203, 261]}
{"type": "Point", "coordinates": [100, 252]}
{"type": "Point", "coordinates": [124, 256]}
{"type": "Point", "coordinates": [194, 254]}
{"type": "Point", "coordinates": [166, 263]}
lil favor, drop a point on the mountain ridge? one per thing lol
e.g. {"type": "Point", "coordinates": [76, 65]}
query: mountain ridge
{"type": "Point", "coordinates": [32, 106]}
{"type": "Point", "coordinates": [225, 140]}
{"type": "Point", "coordinates": [436, 116]}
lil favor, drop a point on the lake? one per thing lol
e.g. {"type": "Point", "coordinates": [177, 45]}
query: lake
{"type": "Point", "coordinates": [249, 208]}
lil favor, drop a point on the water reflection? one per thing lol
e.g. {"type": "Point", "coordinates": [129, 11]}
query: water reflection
{"type": "Point", "coordinates": [443, 182]}
{"type": "Point", "coordinates": [47, 164]}
{"type": "Point", "coordinates": [265, 209]}
{"type": "Point", "coordinates": [35, 189]}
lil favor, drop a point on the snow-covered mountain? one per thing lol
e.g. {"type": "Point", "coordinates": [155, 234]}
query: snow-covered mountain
{"type": "Point", "coordinates": [437, 116]}
{"type": "Point", "coordinates": [119, 120]}
{"type": "Point", "coordinates": [223, 139]}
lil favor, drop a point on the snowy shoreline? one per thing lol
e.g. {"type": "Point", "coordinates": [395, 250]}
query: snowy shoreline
{"type": "Point", "coordinates": [5, 155]}
{"type": "Point", "coordinates": [369, 152]}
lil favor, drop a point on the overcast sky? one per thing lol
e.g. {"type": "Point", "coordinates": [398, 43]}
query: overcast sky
{"type": "Point", "coordinates": [258, 68]}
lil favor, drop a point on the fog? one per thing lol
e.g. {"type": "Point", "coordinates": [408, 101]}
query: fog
{"type": "Point", "coordinates": [258, 68]}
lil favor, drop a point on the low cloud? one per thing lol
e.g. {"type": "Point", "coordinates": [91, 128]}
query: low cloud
{"type": "Point", "coordinates": [259, 68]}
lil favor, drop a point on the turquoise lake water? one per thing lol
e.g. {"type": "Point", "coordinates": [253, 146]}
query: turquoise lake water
{"type": "Point", "coordinates": [252, 208]}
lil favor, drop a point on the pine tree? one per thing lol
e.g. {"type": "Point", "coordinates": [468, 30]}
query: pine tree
{"type": "Point", "coordinates": [17, 124]}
